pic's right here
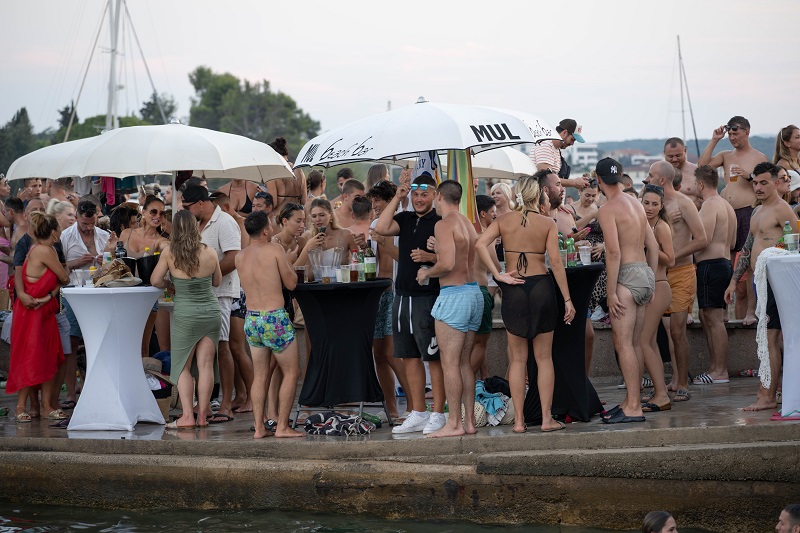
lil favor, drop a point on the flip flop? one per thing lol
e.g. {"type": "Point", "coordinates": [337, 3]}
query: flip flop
{"type": "Point", "coordinates": [621, 418]}
{"type": "Point", "coordinates": [56, 414]}
{"type": "Point", "coordinates": [705, 379]}
{"type": "Point", "coordinates": [68, 404]}
{"type": "Point", "coordinates": [681, 395]}
{"type": "Point", "coordinates": [211, 419]}
{"type": "Point", "coordinates": [610, 412]}
{"type": "Point", "coordinates": [655, 408]}
{"type": "Point", "coordinates": [174, 425]}
{"type": "Point", "coordinates": [61, 424]}
{"type": "Point", "coordinates": [561, 425]}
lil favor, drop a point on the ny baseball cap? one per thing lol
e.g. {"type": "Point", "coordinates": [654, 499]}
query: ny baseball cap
{"type": "Point", "coordinates": [572, 127]}
{"type": "Point", "coordinates": [609, 170]}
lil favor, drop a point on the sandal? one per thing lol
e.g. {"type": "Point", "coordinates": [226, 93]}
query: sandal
{"type": "Point", "coordinates": [68, 404]}
{"type": "Point", "coordinates": [681, 395]}
{"type": "Point", "coordinates": [23, 417]}
{"type": "Point", "coordinates": [56, 414]}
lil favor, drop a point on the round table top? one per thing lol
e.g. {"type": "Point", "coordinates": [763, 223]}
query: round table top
{"type": "Point", "coordinates": [111, 290]}
{"type": "Point", "coordinates": [335, 286]}
{"type": "Point", "coordinates": [595, 265]}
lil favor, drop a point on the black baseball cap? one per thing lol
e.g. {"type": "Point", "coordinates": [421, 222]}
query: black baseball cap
{"type": "Point", "coordinates": [194, 194]}
{"type": "Point", "coordinates": [609, 170]}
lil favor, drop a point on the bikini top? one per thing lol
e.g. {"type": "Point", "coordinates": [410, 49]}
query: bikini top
{"type": "Point", "coordinates": [248, 204]}
{"type": "Point", "coordinates": [522, 259]}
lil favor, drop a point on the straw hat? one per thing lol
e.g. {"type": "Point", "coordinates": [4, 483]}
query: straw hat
{"type": "Point", "coordinates": [153, 366]}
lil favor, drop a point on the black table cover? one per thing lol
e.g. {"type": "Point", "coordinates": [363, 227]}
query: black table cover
{"type": "Point", "coordinates": [574, 394]}
{"type": "Point", "coordinates": [340, 318]}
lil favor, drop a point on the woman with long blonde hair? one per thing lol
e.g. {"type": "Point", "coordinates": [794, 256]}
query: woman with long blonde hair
{"type": "Point", "coordinates": [193, 269]}
{"type": "Point", "coordinates": [529, 299]}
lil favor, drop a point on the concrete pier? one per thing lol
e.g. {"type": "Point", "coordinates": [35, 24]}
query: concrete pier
{"type": "Point", "coordinates": [713, 466]}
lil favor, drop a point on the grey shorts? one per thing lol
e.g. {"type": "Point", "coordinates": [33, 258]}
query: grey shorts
{"type": "Point", "coordinates": [639, 279]}
{"type": "Point", "coordinates": [74, 327]}
{"type": "Point", "coordinates": [414, 334]}
{"type": "Point", "coordinates": [383, 321]}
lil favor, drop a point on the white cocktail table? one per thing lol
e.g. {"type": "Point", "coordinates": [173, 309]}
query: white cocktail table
{"type": "Point", "coordinates": [784, 277]}
{"type": "Point", "coordinates": [115, 395]}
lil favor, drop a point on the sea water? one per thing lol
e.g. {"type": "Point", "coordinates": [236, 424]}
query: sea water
{"type": "Point", "coordinates": [41, 518]}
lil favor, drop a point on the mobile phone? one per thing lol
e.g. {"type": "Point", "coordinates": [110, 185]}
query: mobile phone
{"type": "Point", "coordinates": [323, 229]}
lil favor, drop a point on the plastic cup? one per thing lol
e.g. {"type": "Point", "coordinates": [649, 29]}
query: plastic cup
{"type": "Point", "coordinates": [733, 177]}
{"type": "Point", "coordinates": [563, 254]}
{"type": "Point", "coordinates": [353, 274]}
{"type": "Point", "coordinates": [327, 274]}
{"type": "Point", "coordinates": [427, 280]}
{"type": "Point", "coordinates": [586, 254]}
{"type": "Point", "coordinates": [345, 271]}
{"type": "Point", "coordinates": [791, 241]}
{"type": "Point", "coordinates": [301, 273]}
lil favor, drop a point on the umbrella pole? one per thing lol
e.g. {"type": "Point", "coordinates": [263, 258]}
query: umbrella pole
{"type": "Point", "coordinates": [174, 193]}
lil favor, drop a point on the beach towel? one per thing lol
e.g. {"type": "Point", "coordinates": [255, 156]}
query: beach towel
{"type": "Point", "coordinates": [760, 277]}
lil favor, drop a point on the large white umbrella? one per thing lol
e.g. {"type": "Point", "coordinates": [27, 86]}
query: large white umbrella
{"type": "Point", "coordinates": [47, 162]}
{"type": "Point", "coordinates": [424, 126]}
{"type": "Point", "coordinates": [142, 150]}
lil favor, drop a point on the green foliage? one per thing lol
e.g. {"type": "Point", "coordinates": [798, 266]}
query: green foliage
{"type": "Point", "coordinates": [93, 126]}
{"type": "Point", "coordinates": [16, 139]}
{"type": "Point", "coordinates": [150, 112]}
{"type": "Point", "coordinates": [64, 115]}
{"type": "Point", "coordinates": [225, 103]}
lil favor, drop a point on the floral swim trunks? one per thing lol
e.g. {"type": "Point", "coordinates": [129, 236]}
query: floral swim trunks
{"type": "Point", "coordinates": [269, 329]}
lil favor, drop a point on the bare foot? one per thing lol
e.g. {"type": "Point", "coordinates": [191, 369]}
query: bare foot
{"type": "Point", "coordinates": [288, 433]}
{"type": "Point", "coordinates": [520, 429]}
{"type": "Point", "coordinates": [749, 320]}
{"type": "Point", "coordinates": [447, 431]}
{"type": "Point", "coordinates": [262, 434]}
{"type": "Point", "coordinates": [761, 405]}
{"type": "Point", "coordinates": [470, 429]}
{"type": "Point", "coordinates": [246, 408]}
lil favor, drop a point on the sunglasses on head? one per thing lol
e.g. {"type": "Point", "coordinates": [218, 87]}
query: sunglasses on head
{"type": "Point", "coordinates": [154, 212]}
{"type": "Point", "coordinates": [592, 182]}
{"type": "Point", "coordinates": [262, 194]}
{"type": "Point", "coordinates": [88, 211]}
{"type": "Point", "coordinates": [420, 186]}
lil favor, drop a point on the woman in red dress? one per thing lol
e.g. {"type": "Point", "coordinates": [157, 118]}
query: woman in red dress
{"type": "Point", "coordinates": [36, 351]}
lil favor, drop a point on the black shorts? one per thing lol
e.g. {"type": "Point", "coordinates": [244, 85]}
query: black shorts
{"type": "Point", "coordinates": [743, 215]}
{"type": "Point", "coordinates": [414, 332]}
{"type": "Point", "coordinates": [713, 276]}
{"type": "Point", "coordinates": [773, 318]}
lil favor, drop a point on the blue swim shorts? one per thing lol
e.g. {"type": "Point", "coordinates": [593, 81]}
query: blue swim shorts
{"type": "Point", "coordinates": [269, 329]}
{"type": "Point", "coordinates": [459, 306]}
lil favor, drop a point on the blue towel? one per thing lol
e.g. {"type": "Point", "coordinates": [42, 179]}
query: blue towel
{"type": "Point", "coordinates": [491, 402]}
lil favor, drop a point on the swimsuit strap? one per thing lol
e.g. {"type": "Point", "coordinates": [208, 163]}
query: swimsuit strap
{"type": "Point", "coordinates": [525, 217]}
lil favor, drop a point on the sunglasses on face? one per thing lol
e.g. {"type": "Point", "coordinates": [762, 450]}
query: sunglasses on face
{"type": "Point", "coordinates": [154, 212]}
{"type": "Point", "coordinates": [733, 128]}
{"type": "Point", "coordinates": [190, 204]}
{"type": "Point", "coordinates": [420, 186]}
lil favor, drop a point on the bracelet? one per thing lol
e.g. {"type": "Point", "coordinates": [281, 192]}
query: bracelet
{"type": "Point", "coordinates": [568, 300]}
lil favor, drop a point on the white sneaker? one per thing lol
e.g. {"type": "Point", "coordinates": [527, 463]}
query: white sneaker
{"type": "Point", "coordinates": [435, 422]}
{"type": "Point", "coordinates": [598, 314]}
{"type": "Point", "coordinates": [416, 421]}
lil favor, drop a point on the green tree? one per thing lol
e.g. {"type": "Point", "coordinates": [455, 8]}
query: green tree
{"type": "Point", "coordinates": [150, 112]}
{"type": "Point", "coordinates": [16, 139]}
{"type": "Point", "coordinates": [224, 103]}
{"type": "Point", "coordinates": [65, 113]}
{"type": "Point", "coordinates": [93, 126]}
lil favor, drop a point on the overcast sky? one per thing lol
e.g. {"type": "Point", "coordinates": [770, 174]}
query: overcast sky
{"type": "Point", "coordinates": [612, 65]}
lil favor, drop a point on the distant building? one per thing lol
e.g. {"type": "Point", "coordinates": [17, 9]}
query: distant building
{"type": "Point", "coordinates": [582, 155]}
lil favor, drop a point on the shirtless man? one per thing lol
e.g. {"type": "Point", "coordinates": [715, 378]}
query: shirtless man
{"type": "Point", "coordinates": [344, 214]}
{"type": "Point", "coordinates": [361, 206]}
{"type": "Point", "coordinates": [263, 270]}
{"type": "Point", "coordinates": [341, 177]}
{"type": "Point", "coordinates": [487, 212]}
{"type": "Point", "coordinates": [386, 365]}
{"type": "Point", "coordinates": [737, 164]}
{"type": "Point", "coordinates": [631, 260]}
{"type": "Point", "coordinates": [458, 309]}
{"type": "Point", "coordinates": [675, 155]}
{"type": "Point", "coordinates": [714, 271]}
{"type": "Point", "coordinates": [766, 229]}
{"type": "Point", "coordinates": [688, 237]}
{"type": "Point", "coordinates": [550, 183]}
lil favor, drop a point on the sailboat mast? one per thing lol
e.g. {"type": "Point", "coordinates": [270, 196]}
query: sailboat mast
{"type": "Point", "coordinates": [112, 121]}
{"type": "Point", "coordinates": [680, 83]}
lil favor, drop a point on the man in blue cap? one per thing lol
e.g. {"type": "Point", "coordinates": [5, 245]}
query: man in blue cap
{"type": "Point", "coordinates": [547, 154]}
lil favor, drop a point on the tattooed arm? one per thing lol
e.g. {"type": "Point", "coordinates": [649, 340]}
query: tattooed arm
{"type": "Point", "coordinates": [743, 263]}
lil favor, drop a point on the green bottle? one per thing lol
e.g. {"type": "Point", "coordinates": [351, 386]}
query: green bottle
{"type": "Point", "coordinates": [572, 256]}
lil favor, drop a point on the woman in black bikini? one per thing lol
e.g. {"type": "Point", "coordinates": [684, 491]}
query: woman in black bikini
{"type": "Point", "coordinates": [241, 194]}
{"type": "Point", "coordinates": [653, 202]}
{"type": "Point", "coordinates": [287, 190]}
{"type": "Point", "coordinates": [529, 299]}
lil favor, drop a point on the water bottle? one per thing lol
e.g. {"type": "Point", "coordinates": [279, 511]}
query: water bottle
{"type": "Point", "coordinates": [572, 259]}
{"type": "Point", "coordinates": [361, 274]}
{"type": "Point", "coordinates": [146, 252]}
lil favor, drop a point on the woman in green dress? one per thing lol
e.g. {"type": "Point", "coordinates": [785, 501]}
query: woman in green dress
{"type": "Point", "coordinates": [193, 269]}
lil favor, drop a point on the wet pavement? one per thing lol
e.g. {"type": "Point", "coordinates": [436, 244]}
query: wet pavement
{"type": "Point", "coordinates": [711, 406]}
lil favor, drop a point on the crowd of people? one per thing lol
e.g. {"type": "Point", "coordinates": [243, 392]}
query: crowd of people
{"type": "Point", "coordinates": [228, 257]}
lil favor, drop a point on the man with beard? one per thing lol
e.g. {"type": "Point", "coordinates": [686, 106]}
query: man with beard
{"type": "Point", "coordinates": [675, 155]}
{"type": "Point", "coordinates": [551, 185]}
{"type": "Point", "coordinates": [737, 164]}
{"type": "Point", "coordinates": [547, 155]}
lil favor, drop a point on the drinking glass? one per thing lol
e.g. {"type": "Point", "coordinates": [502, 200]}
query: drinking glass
{"type": "Point", "coordinates": [301, 273]}
{"type": "Point", "coordinates": [791, 241]}
{"type": "Point", "coordinates": [563, 254]}
{"type": "Point", "coordinates": [346, 274]}
{"type": "Point", "coordinates": [586, 254]}
{"type": "Point", "coordinates": [327, 274]}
